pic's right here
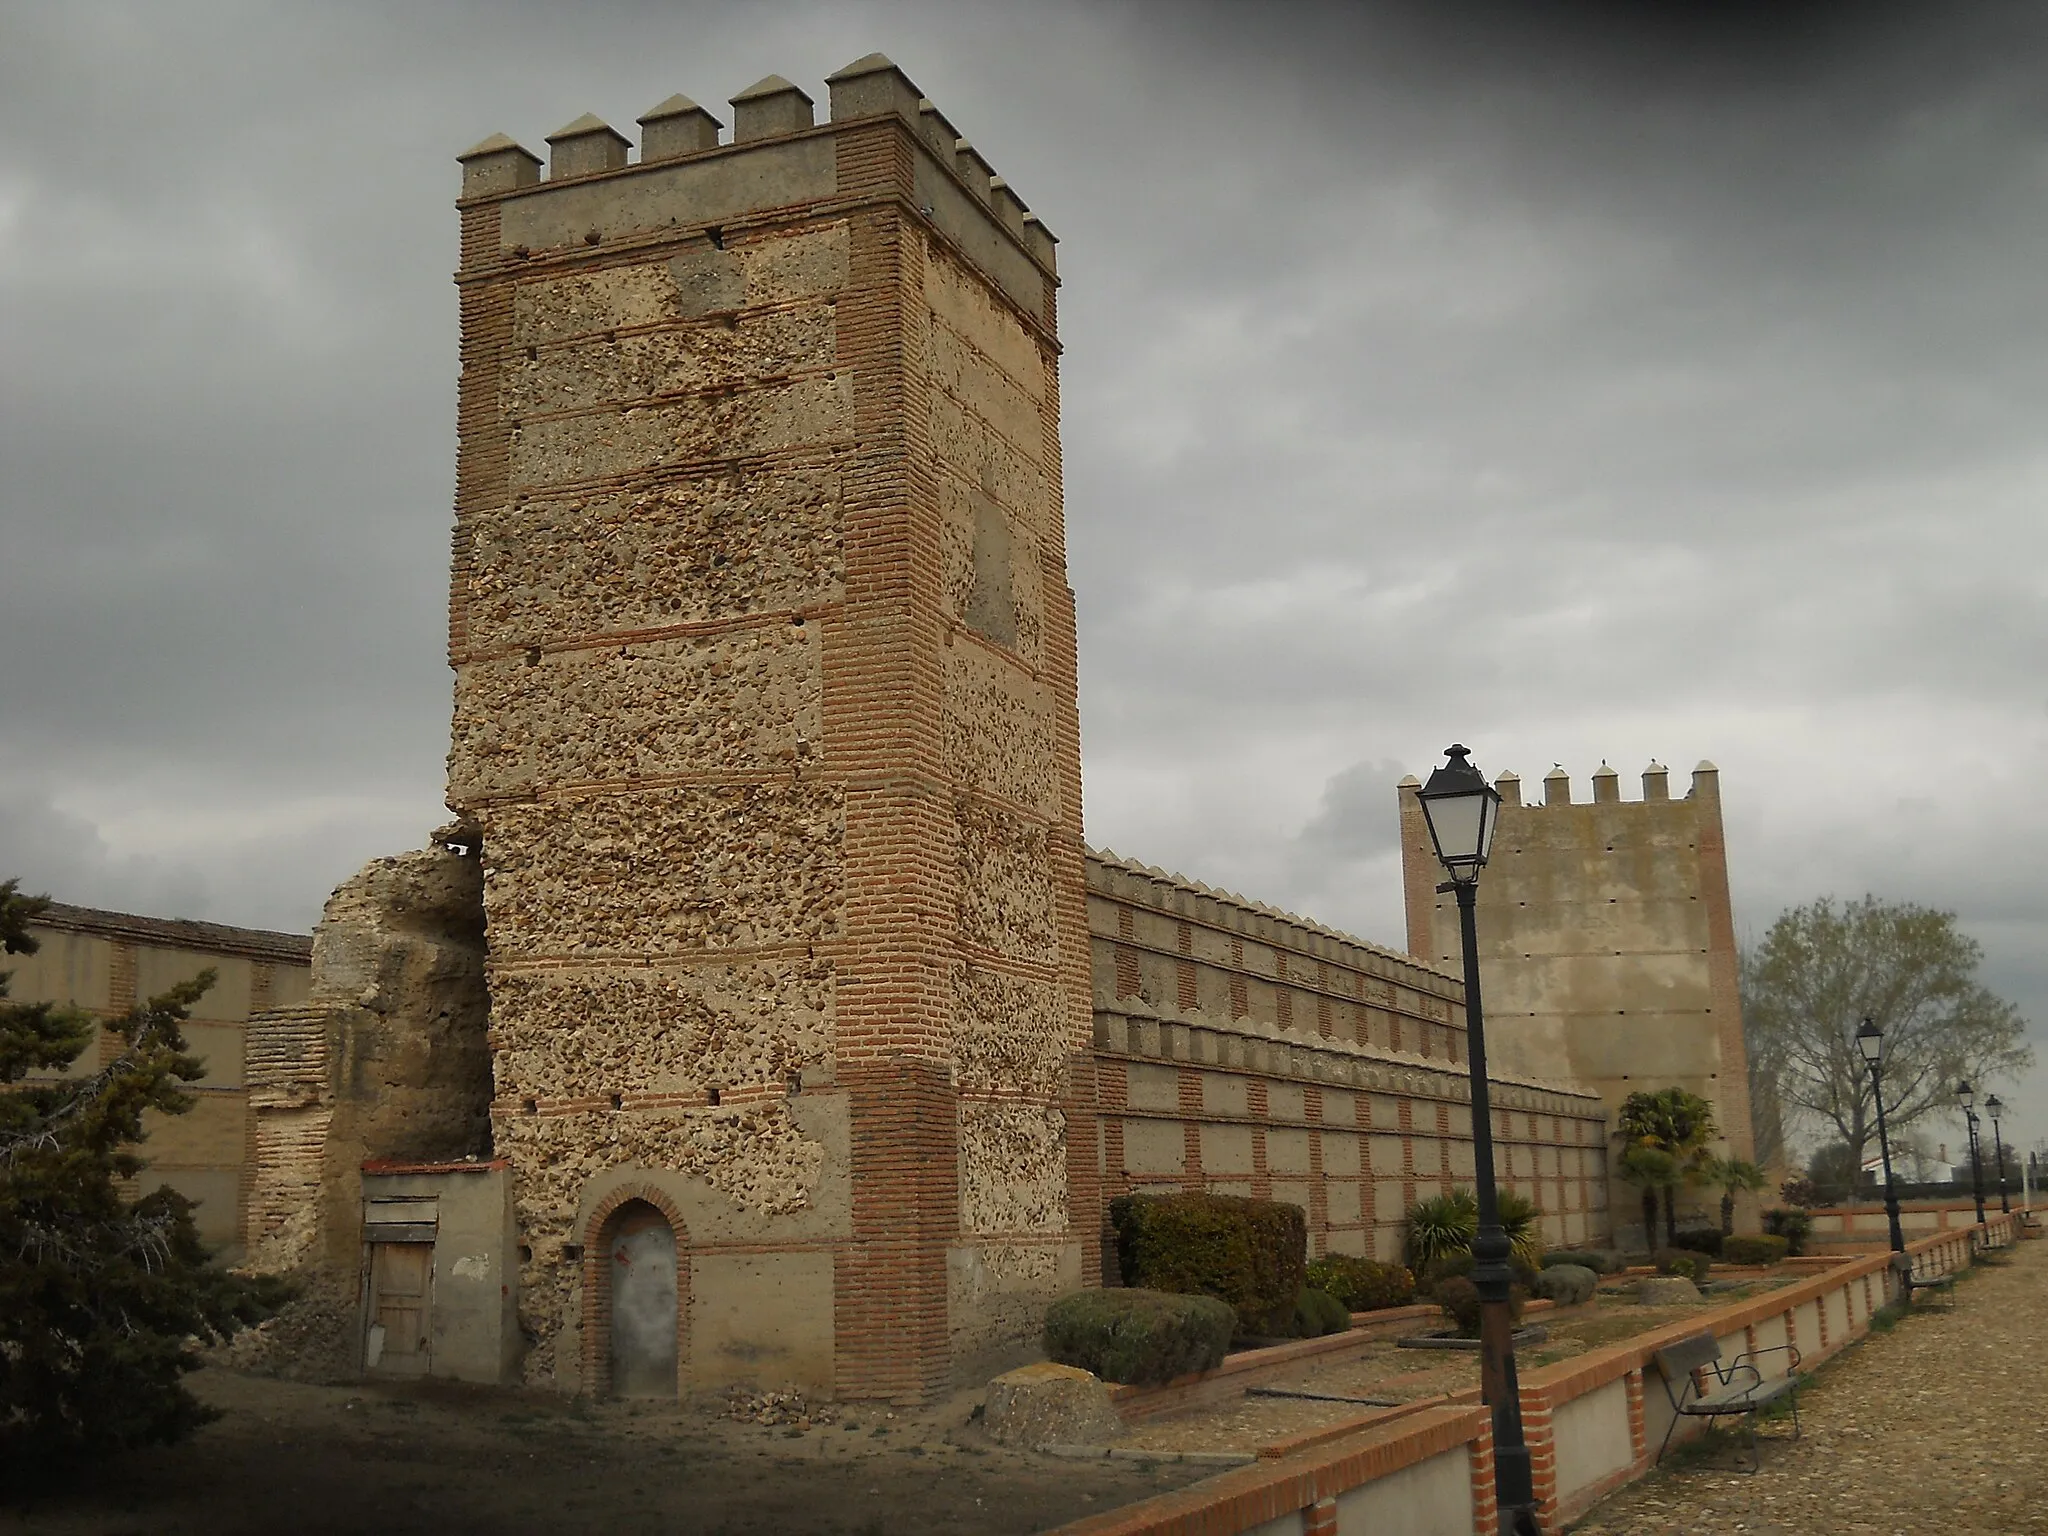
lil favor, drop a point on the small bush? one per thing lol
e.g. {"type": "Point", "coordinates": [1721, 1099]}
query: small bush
{"type": "Point", "coordinates": [1705, 1240]}
{"type": "Point", "coordinates": [1252, 1254]}
{"type": "Point", "coordinates": [1792, 1224]}
{"type": "Point", "coordinates": [1754, 1250]}
{"type": "Point", "coordinates": [1143, 1337]}
{"type": "Point", "coordinates": [1458, 1266]}
{"type": "Point", "coordinates": [1459, 1298]}
{"type": "Point", "coordinates": [1363, 1285]}
{"type": "Point", "coordinates": [1679, 1261]}
{"type": "Point", "coordinates": [1317, 1313]}
{"type": "Point", "coordinates": [1566, 1284]}
{"type": "Point", "coordinates": [1602, 1261]}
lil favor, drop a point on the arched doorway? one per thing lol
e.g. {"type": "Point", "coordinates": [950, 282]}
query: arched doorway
{"type": "Point", "coordinates": [639, 1259]}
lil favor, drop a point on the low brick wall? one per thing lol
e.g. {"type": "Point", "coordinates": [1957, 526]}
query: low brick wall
{"type": "Point", "coordinates": [1866, 1226]}
{"type": "Point", "coordinates": [1593, 1424]}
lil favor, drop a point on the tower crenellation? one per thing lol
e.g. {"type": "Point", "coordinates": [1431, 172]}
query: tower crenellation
{"type": "Point", "coordinates": [770, 110]}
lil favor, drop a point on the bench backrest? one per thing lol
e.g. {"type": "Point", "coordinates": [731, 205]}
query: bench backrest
{"type": "Point", "coordinates": [1678, 1361]}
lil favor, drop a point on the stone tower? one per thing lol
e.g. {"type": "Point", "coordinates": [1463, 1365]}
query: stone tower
{"type": "Point", "coordinates": [766, 718]}
{"type": "Point", "coordinates": [1606, 938]}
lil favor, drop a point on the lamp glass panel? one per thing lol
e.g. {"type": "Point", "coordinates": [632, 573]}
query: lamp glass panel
{"type": "Point", "coordinates": [1458, 823]}
{"type": "Point", "coordinates": [1871, 1043]}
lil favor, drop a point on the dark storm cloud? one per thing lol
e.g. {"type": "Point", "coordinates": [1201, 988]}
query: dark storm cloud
{"type": "Point", "coordinates": [1584, 381]}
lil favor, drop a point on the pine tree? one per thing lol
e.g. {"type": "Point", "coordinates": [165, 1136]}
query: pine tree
{"type": "Point", "coordinates": [101, 1295]}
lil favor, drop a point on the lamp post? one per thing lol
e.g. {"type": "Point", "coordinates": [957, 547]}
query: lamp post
{"type": "Point", "coordinates": [1461, 809]}
{"type": "Point", "coordinates": [1870, 1041]}
{"type": "Point", "coordinates": [1994, 1109]}
{"type": "Point", "coordinates": [1967, 1097]}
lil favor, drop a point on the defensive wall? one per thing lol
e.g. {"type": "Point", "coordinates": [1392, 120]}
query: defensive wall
{"type": "Point", "coordinates": [1248, 1051]}
{"type": "Point", "coordinates": [1606, 938]}
{"type": "Point", "coordinates": [105, 963]}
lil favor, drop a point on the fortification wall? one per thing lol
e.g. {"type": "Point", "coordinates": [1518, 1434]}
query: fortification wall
{"type": "Point", "coordinates": [104, 963]}
{"type": "Point", "coordinates": [1606, 938]}
{"type": "Point", "coordinates": [1248, 1051]}
{"type": "Point", "coordinates": [765, 709]}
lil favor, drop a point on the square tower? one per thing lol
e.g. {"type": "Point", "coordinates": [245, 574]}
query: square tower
{"type": "Point", "coordinates": [765, 715]}
{"type": "Point", "coordinates": [1606, 939]}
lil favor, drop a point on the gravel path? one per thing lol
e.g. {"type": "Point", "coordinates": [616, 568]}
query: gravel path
{"type": "Point", "coordinates": [1933, 1427]}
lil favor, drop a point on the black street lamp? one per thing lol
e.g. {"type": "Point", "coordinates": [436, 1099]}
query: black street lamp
{"type": "Point", "coordinates": [1870, 1041]}
{"type": "Point", "coordinates": [1461, 809]}
{"type": "Point", "coordinates": [1967, 1097]}
{"type": "Point", "coordinates": [1994, 1109]}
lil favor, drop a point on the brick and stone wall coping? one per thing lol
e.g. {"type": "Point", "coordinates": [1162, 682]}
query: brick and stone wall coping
{"type": "Point", "coordinates": [1133, 1028]}
{"type": "Point", "coordinates": [179, 933]}
{"type": "Point", "coordinates": [1129, 880]}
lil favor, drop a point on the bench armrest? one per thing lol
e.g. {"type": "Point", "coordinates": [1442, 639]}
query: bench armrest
{"type": "Point", "coordinates": [1749, 1356]}
{"type": "Point", "coordinates": [1726, 1375]}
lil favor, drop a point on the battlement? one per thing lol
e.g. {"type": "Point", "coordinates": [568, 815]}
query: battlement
{"type": "Point", "coordinates": [777, 155]}
{"type": "Point", "coordinates": [1557, 786]}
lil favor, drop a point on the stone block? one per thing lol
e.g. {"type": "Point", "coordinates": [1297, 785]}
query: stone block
{"type": "Point", "coordinates": [1048, 1404]}
{"type": "Point", "coordinates": [1666, 1291]}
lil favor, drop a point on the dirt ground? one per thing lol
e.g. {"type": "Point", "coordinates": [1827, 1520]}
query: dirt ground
{"type": "Point", "coordinates": [377, 1458]}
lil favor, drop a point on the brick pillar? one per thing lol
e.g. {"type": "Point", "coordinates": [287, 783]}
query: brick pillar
{"type": "Point", "coordinates": [1485, 1499]}
{"type": "Point", "coordinates": [1638, 1425]}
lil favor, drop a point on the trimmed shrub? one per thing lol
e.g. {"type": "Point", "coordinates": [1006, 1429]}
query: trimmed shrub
{"type": "Point", "coordinates": [1566, 1284]}
{"type": "Point", "coordinates": [1459, 1298]}
{"type": "Point", "coordinates": [1680, 1261]}
{"type": "Point", "coordinates": [1458, 1266]}
{"type": "Point", "coordinates": [1142, 1337]}
{"type": "Point", "coordinates": [1363, 1285]}
{"type": "Point", "coordinates": [1602, 1261]}
{"type": "Point", "coordinates": [1705, 1240]}
{"type": "Point", "coordinates": [1252, 1254]}
{"type": "Point", "coordinates": [1317, 1313]}
{"type": "Point", "coordinates": [1755, 1250]}
{"type": "Point", "coordinates": [1791, 1224]}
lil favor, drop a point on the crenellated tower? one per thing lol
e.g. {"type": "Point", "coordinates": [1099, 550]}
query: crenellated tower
{"type": "Point", "coordinates": [765, 715]}
{"type": "Point", "coordinates": [1606, 938]}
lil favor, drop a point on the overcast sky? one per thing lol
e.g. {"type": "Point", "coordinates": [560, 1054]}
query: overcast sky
{"type": "Point", "coordinates": [1530, 375]}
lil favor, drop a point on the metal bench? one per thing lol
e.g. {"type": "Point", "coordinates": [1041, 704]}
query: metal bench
{"type": "Point", "coordinates": [1701, 1386]}
{"type": "Point", "coordinates": [1918, 1274]}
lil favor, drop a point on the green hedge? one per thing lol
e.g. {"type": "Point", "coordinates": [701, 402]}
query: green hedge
{"type": "Point", "coordinates": [1794, 1225]}
{"type": "Point", "coordinates": [1755, 1250]}
{"type": "Point", "coordinates": [1459, 1298]}
{"type": "Point", "coordinates": [1458, 1266]}
{"type": "Point", "coordinates": [1252, 1254]}
{"type": "Point", "coordinates": [1317, 1313]}
{"type": "Point", "coordinates": [1567, 1284]}
{"type": "Point", "coordinates": [1602, 1261]}
{"type": "Point", "coordinates": [1363, 1285]}
{"type": "Point", "coordinates": [1707, 1240]}
{"type": "Point", "coordinates": [1683, 1261]}
{"type": "Point", "coordinates": [1143, 1337]}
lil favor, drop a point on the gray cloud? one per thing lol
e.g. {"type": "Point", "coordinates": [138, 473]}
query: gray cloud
{"type": "Point", "coordinates": [1584, 381]}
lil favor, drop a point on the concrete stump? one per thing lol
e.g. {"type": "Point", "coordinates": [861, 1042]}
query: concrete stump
{"type": "Point", "coordinates": [1666, 1291]}
{"type": "Point", "coordinates": [1047, 1404]}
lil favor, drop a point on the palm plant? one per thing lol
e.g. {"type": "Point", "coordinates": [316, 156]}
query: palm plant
{"type": "Point", "coordinates": [1680, 1125]}
{"type": "Point", "coordinates": [1440, 1227]}
{"type": "Point", "coordinates": [1732, 1176]}
{"type": "Point", "coordinates": [1649, 1169]}
{"type": "Point", "coordinates": [1443, 1226]}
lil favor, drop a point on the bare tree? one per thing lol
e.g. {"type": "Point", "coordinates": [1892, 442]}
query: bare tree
{"type": "Point", "coordinates": [1822, 969]}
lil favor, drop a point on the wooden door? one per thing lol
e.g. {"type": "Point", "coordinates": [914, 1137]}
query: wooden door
{"type": "Point", "coordinates": [401, 1308]}
{"type": "Point", "coordinates": [643, 1343]}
